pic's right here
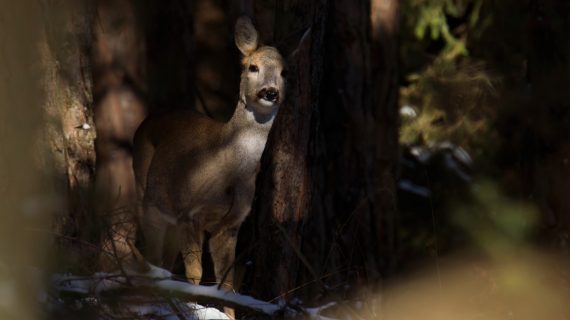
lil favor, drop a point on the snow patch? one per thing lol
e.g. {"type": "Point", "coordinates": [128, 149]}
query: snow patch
{"type": "Point", "coordinates": [173, 308]}
{"type": "Point", "coordinates": [205, 313]}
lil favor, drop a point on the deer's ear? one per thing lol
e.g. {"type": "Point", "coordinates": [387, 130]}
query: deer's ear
{"type": "Point", "coordinates": [246, 36]}
{"type": "Point", "coordinates": [303, 44]}
{"type": "Point", "coordinates": [291, 45]}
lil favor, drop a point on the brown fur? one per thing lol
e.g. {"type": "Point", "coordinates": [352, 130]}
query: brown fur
{"type": "Point", "coordinates": [196, 175]}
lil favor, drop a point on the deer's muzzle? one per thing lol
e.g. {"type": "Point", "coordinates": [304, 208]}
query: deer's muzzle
{"type": "Point", "coordinates": [269, 94]}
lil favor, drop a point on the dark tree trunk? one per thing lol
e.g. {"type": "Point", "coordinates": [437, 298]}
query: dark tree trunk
{"type": "Point", "coordinates": [284, 186]}
{"type": "Point", "coordinates": [192, 60]}
{"type": "Point", "coordinates": [169, 29]}
{"type": "Point", "coordinates": [325, 205]}
{"type": "Point", "coordinates": [543, 153]}
{"type": "Point", "coordinates": [384, 109]}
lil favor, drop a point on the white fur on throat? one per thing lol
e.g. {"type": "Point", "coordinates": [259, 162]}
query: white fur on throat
{"type": "Point", "coordinates": [252, 142]}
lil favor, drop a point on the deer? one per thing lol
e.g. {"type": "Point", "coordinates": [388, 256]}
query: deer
{"type": "Point", "coordinates": [195, 175]}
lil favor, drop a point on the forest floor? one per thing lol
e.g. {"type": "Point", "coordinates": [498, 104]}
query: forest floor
{"type": "Point", "coordinates": [520, 284]}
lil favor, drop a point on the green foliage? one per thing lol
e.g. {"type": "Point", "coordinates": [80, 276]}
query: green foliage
{"type": "Point", "coordinates": [495, 222]}
{"type": "Point", "coordinates": [492, 77]}
{"type": "Point", "coordinates": [430, 17]}
{"type": "Point", "coordinates": [452, 91]}
{"type": "Point", "coordinates": [453, 101]}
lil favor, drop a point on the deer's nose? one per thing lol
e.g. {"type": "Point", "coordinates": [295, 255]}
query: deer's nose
{"type": "Point", "coordinates": [269, 94]}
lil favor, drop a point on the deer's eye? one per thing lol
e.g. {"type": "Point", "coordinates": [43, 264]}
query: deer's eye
{"type": "Point", "coordinates": [284, 73]}
{"type": "Point", "coordinates": [253, 68]}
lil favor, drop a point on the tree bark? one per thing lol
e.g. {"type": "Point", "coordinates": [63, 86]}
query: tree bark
{"type": "Point", "coordinates": [192, 60]}
{"type": "Point", "coordinates": [385, 92]}
{"type": "Point", "coordinates": [169, 29]}
{"type": "Point", "coordinates": [284, 184]}
{"type": "Point", "coordinates": [68, 108]}
{"type": "Point", "coordinates": [326, 193]}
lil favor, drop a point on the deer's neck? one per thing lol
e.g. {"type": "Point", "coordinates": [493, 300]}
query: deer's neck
{"type": "Point", "coordinates": [245, 118]}
{"type": "Point", "coordinates": [248, 131]}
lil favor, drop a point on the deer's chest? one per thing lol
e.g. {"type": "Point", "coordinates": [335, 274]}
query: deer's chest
{"type": "Point", "coordinates": [227, 177]}
{"type": "Point", "coordinates": [249, 146]}
{"type": "Point", "coordinates": [233, 162]}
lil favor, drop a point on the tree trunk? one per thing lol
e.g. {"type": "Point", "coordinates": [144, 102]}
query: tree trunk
{"type": "Point", "coordinates": [384, 70]}
{"type": "Point", "coordinates": [118, 88]}
{"type": "Point", "coordinates": [169, 29]}
{"type": "Point", "coordinates": [68, 108]}
{"type": "Point", "coordinates": [216, 58]}
{"type": "Point", "coordinates": [325, 205]}
{"type": "Point", "coordinates": [284, 186]}
{"type": "Point", "coordinates": [27, 198]}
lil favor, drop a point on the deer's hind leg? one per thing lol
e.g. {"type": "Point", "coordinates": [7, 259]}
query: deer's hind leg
{"type": "Point", "coordinates": [154, 229]}
{"type": "Point", "coordinates": [223, 249]}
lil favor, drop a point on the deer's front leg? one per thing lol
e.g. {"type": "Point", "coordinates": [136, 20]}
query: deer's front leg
{"type": "Point", "coordinates": [192, 252]}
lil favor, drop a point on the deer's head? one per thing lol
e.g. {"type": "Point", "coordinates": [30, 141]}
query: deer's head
{"type": "Point", "coordinates": [262, 85]}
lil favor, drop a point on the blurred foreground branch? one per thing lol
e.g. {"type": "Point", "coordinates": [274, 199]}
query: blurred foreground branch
{"type": "Point", "coordinates": [159, 281]}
